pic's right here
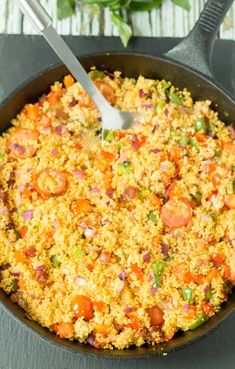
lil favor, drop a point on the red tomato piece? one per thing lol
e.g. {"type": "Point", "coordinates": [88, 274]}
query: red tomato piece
{"type": "Point", "coordinates": [23, 143]}
{"type": "Point", "coordinates": [176, 213]}
{"type": "Point", "coordinates": [82, 307]}
{"type": "Point", "coordinates": [50, 182]}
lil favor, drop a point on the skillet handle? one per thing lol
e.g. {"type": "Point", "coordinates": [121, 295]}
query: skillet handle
{"type": "Point", "coordinates": [196, 49]}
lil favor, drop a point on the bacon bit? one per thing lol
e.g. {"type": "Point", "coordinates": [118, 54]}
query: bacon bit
{"type": "Point", "coordinates": [109, 192]}
{"type": "Point", "coordinates": [129, 193]}
{"type": "Point", "coordinates": [72, 103]}
{"type": "Point", "coordinates": [30, 252]}
{"type": "Point", "coordinates": [41, 274]}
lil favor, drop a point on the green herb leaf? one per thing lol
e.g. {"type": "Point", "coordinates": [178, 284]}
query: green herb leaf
{"type": "Point", "coordinates": [184, 4]}
{"type": "Point", "coordinates": [78, 252]}
{"type": "Point", "coordinates": [125, 167]}
{"type": "Point", "coordinates": [96, 74]}
{"type": "Point", "coordinates": [201, 319]}
{"type": "Point", "coordinates": [152, 216]}
{"type": "Point", "coordinates": [108, 135]}
{"type": "Point", "coordinates": [65, 8]}
{"type": "Point", "coordinates": [144, 5]}
{"type": "Point", "coordinates": [158, 268]}
{"type": "Point", "coordinates": [55, 261]}
{"type": "Point", "coordinates": [187, 294]}
{"type": "Point", "coordinates": [175, 98]}
{"type": "Point", "coordinates": [14, 285]}
{"type": "Point", "coordinates": [124, 29]}
{"type": "Point", "coordinates": [1, 157]}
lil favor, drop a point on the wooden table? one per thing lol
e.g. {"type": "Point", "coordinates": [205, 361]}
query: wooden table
{"type": "Point", "coordinates": [168, 20]}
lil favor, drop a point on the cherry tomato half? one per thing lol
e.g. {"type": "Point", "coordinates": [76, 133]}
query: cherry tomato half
{"type": "Point", "coordinates": [23, 143]}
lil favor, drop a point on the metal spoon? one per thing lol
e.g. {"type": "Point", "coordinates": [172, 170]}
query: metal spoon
{"type": "Point", "coordinates": [112, 118]}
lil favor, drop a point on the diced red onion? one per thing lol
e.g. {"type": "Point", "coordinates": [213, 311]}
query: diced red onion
{"type": "Point", "coordinates": [40, 267]}
{"type": "Point", "coordinates": [95, 190]}
{"type": "Point", "coordinates": [54, 152]}
{"type": "Point", "coordinates": [80, 281]}
{"type": "Point", "coordinates": [90, 232]}
{"type": "Point", "coordinates": [122, 275]}
{"type": "Point", "coordinates": [185, 307]}
{"type": "Point", "coordinates": [207, 289]}
{"type": "Point", "coordinates": [19, 148]}
{"type": "Point", "coordinates": [30, 252]}
{"type": "Point", "coordinates": [206, 217]}
{"type": "Point", "coordinates": [135, 143]}
{"type": "Point", "coordinates": [155, 151]}
{"type": "Point", "coordinates": [21, 188]}
{"type": "Point", "coordinates": [153, 291]}
{"type": "Point", "coordinates": [143, 94]}
{"type": "Point", "coordinates": [27, 215]}
{"type": "Point", "coordinates": [146, 257]}
{"type": "Point", "coordinates": [41, 274]}
{"type": "Point", "coordinates": [58, 130]}
{"type": "Point", "coordinates": [83, 225]}
{"type": "Point", "coordinates": [147, 106]}
{"type": "Point", "coordinates": [166, 112]}
{"type": "Point", "coordinates": [165, 249]}
{"type": "Point", "coordinates": [150, 278]}
{"type": "Point", "coordinates": [127, 309]}
{"type": "Point", "coordinates": [91, 339]}
{"type": "Point", "coordinates": [79, 174]}
{"type": "Point", "coordinates": [15, 274]}
{"type": "Point", "coordinates": [72, 103]}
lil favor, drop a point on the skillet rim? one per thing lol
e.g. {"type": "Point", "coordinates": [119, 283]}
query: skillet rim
{"type": "Point", "coordinates": [127, 354]}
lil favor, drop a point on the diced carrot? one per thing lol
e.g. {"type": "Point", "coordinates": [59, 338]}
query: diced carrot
{"type": "Point", "coordinates": [78, 146]}
{"type": "Point", "coordinates": [108, 156]}
{"type": "Point", "coordinates": [227, 272]}
{"type": "Point", "coordinates": [134, 322]}
{"type": "Point", "coordinates": [122, 134]}
{"type": "Point", "coordinates": [199, 279]}
{"type": "Point", "coordinates": [154, 200]}
{"type": "Point", "coordinates": [132, 207]}
{"type": "Point", "coordinates": [45, 121]}
{"type": "Point", "coordinates": [212, 274]}
{"type": "Point", "coordinates": [210, 168]}
{"type": "Point", "coordinates": [27, 193]}
{"type": "Point", "coordinates": [102, 329]}
{"type": "Point", "coordinates": [229, 201]}
{"type": "Point", "coordinates": [188, 277]}
{"type": "Point", "coordinates": [102, 165]}
{"type": "Point", "coordinates": [65, 330]}
{"type": "Point", "coordinates": [163, 156]}
{"type": "Point", "coordinates": [21, 284]}
{"type": "Point", "coordinates": [99, 306]}
{"type": "Point", "coordinates": [175, 153]}
{"type": "Point", "coordinates": [138, 271]}
{"type": "Point", "coordinates": [200, 137]}
{"type": "Point", "coordinates": [83, 206]}
{"type": "Point", "coordinates": [32, 111]}
{"type": "Point", "coordinates": [68, 80]}
{"type": "Point", "coordinates": [23, 232]}
{"type": "Point", "coordinates": [217, 258]}
{"type": "Point", "coordinates": [216, 179]}
{"type": "Point", "coordinates": [54, 97]}
{"type": "Point", "coordinates": [20, 256]}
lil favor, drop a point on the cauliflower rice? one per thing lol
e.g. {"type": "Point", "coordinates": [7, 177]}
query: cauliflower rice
{"type": "Point", "coordinates": [121, 241]}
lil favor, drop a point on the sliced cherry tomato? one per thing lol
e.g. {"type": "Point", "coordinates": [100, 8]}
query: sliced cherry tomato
{"type": "Point", "coordinates": [107, 91]}
{"type": "Point", "coordinates": [82, 307]}
{"type": "Point", "coordinates": [217, 258]}
{"type": "Point", "coordinates": [208, 309]}
{"type": "Point", "coordinates": [200, 137]}
{"type": "Point", "coordinates": [229, 201]}
{"type": "Point", "coordinates": [188, 277]}
{"type": "Point", "coordinates": [156, 316]}
{"type": "Point", "coordinates": [216, 179]}
{"type": "Point", "coordinates": [64, 330]}
{"type": "Point", "coordinates": [50, 182]}
{"type": "Point", "coordinates": [23, 143]}
{"type": "Point", "coordinates": [99, 306]}
{"type": "Point", "coordinates": [176, 213]}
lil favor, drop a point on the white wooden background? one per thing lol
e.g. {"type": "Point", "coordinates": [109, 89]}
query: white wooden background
{"type": "Point", "coordinates": [168, 20]}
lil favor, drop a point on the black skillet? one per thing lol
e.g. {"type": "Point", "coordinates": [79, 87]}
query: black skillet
{"type": "Point", "coordinates": [187, 65]}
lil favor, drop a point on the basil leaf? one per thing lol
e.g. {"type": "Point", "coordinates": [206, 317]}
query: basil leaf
{"type": "Point", "coordinates": [124, 29]}
{"type": "Point", "coordinates": [182, 3]}
{"type": "Point", "coordinates": [144, 5]}
{"type": "Point", "coordinates": [65, 8]}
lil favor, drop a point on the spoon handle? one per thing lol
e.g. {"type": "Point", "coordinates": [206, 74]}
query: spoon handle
{"type": "Point", "coordinates": [39, 18]}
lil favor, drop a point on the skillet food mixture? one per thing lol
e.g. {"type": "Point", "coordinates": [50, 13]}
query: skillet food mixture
{"type": "Point", "coordinates": [122, 241]}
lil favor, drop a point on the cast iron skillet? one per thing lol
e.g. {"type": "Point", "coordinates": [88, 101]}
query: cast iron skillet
{"type": "Point", "coordinates": [187, 65]}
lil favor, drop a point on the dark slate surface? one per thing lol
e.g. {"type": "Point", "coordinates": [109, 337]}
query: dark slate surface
{"type": "Point", "coordinates": [20, 58]}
